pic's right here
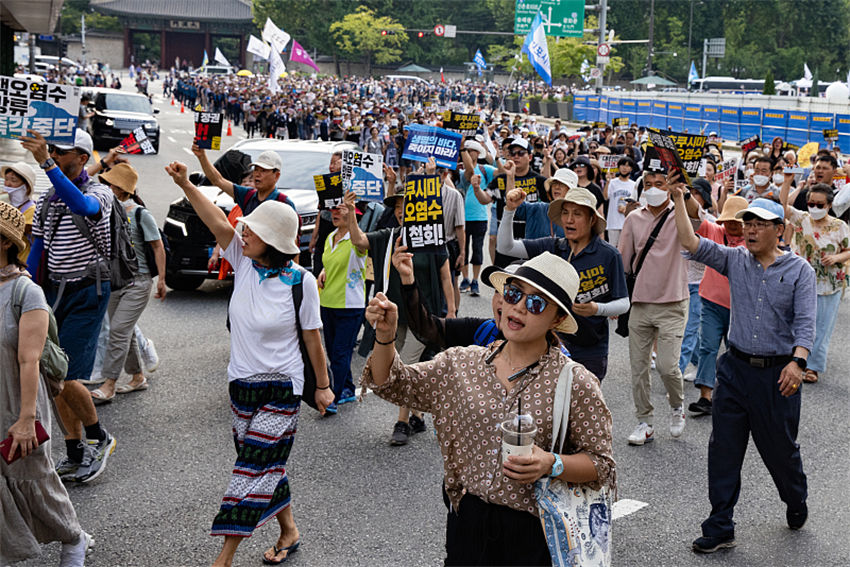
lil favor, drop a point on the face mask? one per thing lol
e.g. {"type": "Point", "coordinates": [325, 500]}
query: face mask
{"type": "Point", "coordinates": [17, 195]}
{"type": "Point", "coordinates": [778, 179]}
{"type": "Point", "coordinates": [749, 171]}
{"type": "Point", "coordinates": [655, 197]}
{"type": "Point", "coordinates": [761, 180]}
{"type": "Point", "coordinates": [816, 213]}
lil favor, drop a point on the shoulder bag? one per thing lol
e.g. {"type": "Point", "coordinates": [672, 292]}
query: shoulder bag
{"type": "Point", "coordinates": [308, 394]}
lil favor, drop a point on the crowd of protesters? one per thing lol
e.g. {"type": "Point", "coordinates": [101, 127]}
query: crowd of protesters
{"type": "Point", "coordinates": [754, 259]}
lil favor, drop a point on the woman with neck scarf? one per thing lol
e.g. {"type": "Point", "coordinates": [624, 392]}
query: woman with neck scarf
{"type": "Point", "coordinates": [266, 370]}
{"type": "Point", "coordinates": [18, 186]}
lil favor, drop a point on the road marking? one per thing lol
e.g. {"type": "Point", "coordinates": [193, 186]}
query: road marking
{"type": "Point", "coordinates": [625, 507]}
{"type": "Point", "coordinates": [187, 150]}
{"type": "Point", "coordinates": [95, 155]}
{"type": "Point", "coordinates": [172, 140]}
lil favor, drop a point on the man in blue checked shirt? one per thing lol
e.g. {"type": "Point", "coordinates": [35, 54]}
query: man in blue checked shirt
{"type": "Point", "coordinates": [771, 332]}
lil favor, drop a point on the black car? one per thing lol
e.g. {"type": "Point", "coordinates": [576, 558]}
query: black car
{"type": "Point", "coordinates": [117, 114]}
{"type": "Point", "coordinates": [192, 243]}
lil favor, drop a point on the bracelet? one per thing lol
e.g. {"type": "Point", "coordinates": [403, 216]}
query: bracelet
{"type": "Point", "coordinates": [391, 341]}
{"type": "Point", "coordinates": [328, 387]}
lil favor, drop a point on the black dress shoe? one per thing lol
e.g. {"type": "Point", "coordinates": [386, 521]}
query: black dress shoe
{"type": "Point", "coordinates": [797, 518]}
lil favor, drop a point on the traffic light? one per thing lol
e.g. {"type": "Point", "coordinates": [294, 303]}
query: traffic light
{"type": "Point", "coordinates": [383, 32]}
{"type": "Point", "coordinates": [387, 32]}
{"type": "Point", "coordinates": [421, 34]}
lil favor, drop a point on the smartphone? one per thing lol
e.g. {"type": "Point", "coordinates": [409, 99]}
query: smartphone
{"type": "Point", "coordinates": [793, 170]}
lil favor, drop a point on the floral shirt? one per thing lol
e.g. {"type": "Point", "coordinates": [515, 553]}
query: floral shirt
{"type": "Point", "coordinates": [813, 243]}
{"type": "Point", "coordinates": [468, 402]}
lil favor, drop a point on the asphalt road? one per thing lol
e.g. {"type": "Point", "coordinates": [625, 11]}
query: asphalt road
{"type": "Point", "coordinates": [359, 501]}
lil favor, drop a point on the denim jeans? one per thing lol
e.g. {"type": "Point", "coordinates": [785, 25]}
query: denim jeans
{"type": "Point", "coordinates": [340, 329]}
{"type": "Point", "coordinates": [690, 342]}
{"type": "Point", "coordinates": [79, 315]}
{"type": "Point", "coordinates": [824, 324]}
{"type": "Point", "coordinates": [714, 325]}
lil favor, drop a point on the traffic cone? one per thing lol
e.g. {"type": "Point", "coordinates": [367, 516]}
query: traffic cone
{"type": "Point", "coordinates": [181, 107]}
{"type": "Point", "coordinates": [172, 100]}
{"type": "Point", "coordinates": [229, 131]}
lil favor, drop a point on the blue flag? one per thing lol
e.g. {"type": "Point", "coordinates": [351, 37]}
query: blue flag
{"type": "Point", "coordinates": [537, 50]}
{"type": "Point", "coordinates": [479, 62]}
{"type": "Point", "coordinates": [205, 61]}
{"type": "Point", "coordinates": [692, 74]}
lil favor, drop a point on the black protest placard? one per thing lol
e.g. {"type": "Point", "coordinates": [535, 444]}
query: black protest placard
{"type": "Point", "coordinates": [664, 149]}
{"type": "Point", "coordinates": [329, 188]}
{"type": "Point", "coordinates": [208, 130]}
{"type": "Point", "coordinates": [600, 125]}
{"type": "Point", "coordinates": [750, 144]}
{"type": "Point", "coordinates": [830, 134]}
{"type": "Point", "coordinates": [622, 122]}
{"type": "Point", "coordinates": [138, 143]}
{"type": "Point", "coordinates": [423, 214]}
{"type": "Point", "coordinates": [467, 124]}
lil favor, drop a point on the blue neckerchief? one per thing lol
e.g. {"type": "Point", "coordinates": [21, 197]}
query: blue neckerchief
{"type": "Point", "coordinates": [288, 275]}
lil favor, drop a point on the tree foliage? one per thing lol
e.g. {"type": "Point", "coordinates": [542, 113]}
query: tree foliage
{"type": "Point", "coordinates": [769, 84]}
{"type": "Point", "coordinates": [359, 35]}
{"type": "Point", "coordinates": [69, 22]}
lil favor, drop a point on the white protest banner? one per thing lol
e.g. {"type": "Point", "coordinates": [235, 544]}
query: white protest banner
{"type": "Point", "coordinates": [725, 169]}
{"type": "Point", "coordinates": [48, 108]}
{"type": "Point", "coordinates": [275, 36]}
{"type": "Point", "coordinates": [608, 162]}
{"type": "Point", "coordinates": [276, 67]}
{"type": "Point", "coordinates": [364, 174]}
{"type": "Point", "coordinates": [220, 58]}
{"type": "Point", "coordinates": [258, 47]}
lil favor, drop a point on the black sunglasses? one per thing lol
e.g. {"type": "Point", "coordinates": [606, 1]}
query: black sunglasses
{"type": "Point", "coordinates": [817, 205]}
{"type": "Point", "coordinates": [518, 153]}
{"type": "Point", "coordinates": [535, 304]}
{"type": "Point", "coordinates": [52, 149]}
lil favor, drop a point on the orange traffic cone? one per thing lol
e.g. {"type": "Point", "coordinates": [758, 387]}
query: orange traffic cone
{"type": "Point", "coordinates": [181, 107]}
{"type": "Point", "coordinates": [229, 131]}
{"type": "Point", "coordinates": [172, 100]}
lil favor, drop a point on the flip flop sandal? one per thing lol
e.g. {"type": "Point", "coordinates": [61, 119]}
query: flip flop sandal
{"type": "Point", "coordinates": [98, 397]}
{"type": "Point", "coordinates": [289, 551]}
{"type": "Point", "coordinates": [811, 377]}
{"type": "Point", "coordinates": [127, 388]}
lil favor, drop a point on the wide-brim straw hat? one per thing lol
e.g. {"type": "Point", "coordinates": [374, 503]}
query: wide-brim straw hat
{"type": "Point", "coordinates": [564, 175]}
{"type": "Point", "coordinates": [554, 277]}
{"type": "Point", "coordinates": [123, 176]}
{"type": "Point", "coordinates": [12, 225]}
{"type": "Point", "coordinates": [276, 224]}
{"type": "Point", "coordinates": [24, 170]}
{"type": "Point", "coordinates": [579, 196]}
{"type": "Point", "coordinates": [731, 208]}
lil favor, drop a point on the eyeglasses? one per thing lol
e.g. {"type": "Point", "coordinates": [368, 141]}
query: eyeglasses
{"type": "Point", "coordinates": [518, 153]}
{"type": "Point", "coordinates": [52, 149]}
{"type": "Point", "coordinates": [758, 225]}
{"type": "Point", "coordinates": [535, 304]}
{"type": "Point", "coordinates": [817, 205]}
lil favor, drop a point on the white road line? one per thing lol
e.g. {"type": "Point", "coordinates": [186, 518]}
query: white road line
{"type": "Point", "coordinates": [187, 150]}
{"type": "Point", "coordinates": [172, 140]}
{"type": "Point", "coordinates": [625, 507]}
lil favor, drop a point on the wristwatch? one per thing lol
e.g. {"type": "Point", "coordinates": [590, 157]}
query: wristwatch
{"type": "Point", "coordinates": [47, 164]}
{"type": "Point", "coordinates": [801, 362]}
{"type": "Point", "coordinates": [557, 466]}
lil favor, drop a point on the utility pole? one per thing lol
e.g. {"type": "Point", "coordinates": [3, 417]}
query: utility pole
{"type": "Point", "coordinates": [690, 30]}
{"type": "Point", "coordinates": [651, 26]}
{"type": "Point", "coordinates": [603, 14]}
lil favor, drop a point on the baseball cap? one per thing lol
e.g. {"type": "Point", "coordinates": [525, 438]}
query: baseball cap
{"type": "Point", "coordinates": [268, 160]}
{"type": "Point", "coordinates": [82, 142]}
{"type": "Point", "coordinates": [520, 142]}
{"type": "Point", "coordinates": [764, 209]}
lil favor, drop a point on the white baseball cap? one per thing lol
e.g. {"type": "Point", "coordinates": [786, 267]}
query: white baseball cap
{"type": "Point", "coordinates": [269, 159]}
{"type": "Point", "coordinates": [276, 224]}
{"type": "Point", "coordinates": [82, 142]}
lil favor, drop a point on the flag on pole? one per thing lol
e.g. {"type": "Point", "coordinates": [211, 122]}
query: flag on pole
{"type": "Point", "coordinates": [275, 36]}
{"type": "Point", "coordinates": [205, 60]}
{"type": "Point", "coordinates": [585, 71]}
{"type": "Point", "coordinates": [300, 56]}
{"type": "Point", "coordinates": [276, 67]}
{"type": "Point", "coordinates": [537, 50]}
{"type": "Point", "coordinates": [442, 77]}
{"type": "Point", "coordinates": [220, 58]}
{"type": "Point", "coordinates": [479, 62]}
{"type": "Point", "coordinates": [848, 80]}
{"type": "Point", "coordinates": [692, 74]}
{"type": "Point", "coordinates": [258, 47]}
{"type": "Point", "coordinates": [806, 73]}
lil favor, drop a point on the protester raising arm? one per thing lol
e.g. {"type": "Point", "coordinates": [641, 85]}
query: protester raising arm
{"type": "Point", "coordinates": [211, 173]}
{"type": "Point", "coordinates": [684, 227]}
{"type": "Point", "coordinates": [505, 242]}
{"type": "Point", "coordinates": [483, 198]}
{"type": "Point", "coordinates": [213, 217]}
{"type": "Point", "coordinates": [358, 237]}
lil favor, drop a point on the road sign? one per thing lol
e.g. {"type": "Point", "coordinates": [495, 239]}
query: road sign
{"type": "Point", "coordinates": [439, 30]}
{"type": "Point", "coordinates": [595, 73]}
{"type": "Point", "coordinates": [715, 47]}
{"type": "Point", "coordinates": [604, 50]}
{"type": "Point", "coordinates": [451, 31]}
{"type": "Point", "coordinates": [561, 18]}
{"type": "Point", "coordinates": [600, 60]}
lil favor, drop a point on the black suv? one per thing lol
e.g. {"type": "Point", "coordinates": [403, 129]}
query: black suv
{"type": "Point", "coordinates": [191, 241]}
{"type": "Point", "coordinates": [117, 114]}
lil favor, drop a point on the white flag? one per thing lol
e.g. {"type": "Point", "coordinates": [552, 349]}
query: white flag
{"type": "Point", "coordinates": [258, 47]}
{"type": "Point", "coordinates": [220, 58]}
{"type": "Point", "coordinates": [275, 36]}
{"type": "Point", "coordinates": [276, 67]}
{"type": "Point", "coordinates": [806, 73]}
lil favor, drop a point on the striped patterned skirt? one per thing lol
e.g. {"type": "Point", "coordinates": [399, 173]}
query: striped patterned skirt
{"type": "Point", "coordinates": [265, 418]}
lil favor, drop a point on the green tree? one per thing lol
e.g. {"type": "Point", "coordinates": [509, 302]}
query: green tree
{"type": "Point", "coordinates": [769, 85]}
{"type": "Point", "coordinates": [360, 35]}
{"type": "Point", "coordinates": [815, 84]}
{"type": "Point", "coordinates": [69, 21]}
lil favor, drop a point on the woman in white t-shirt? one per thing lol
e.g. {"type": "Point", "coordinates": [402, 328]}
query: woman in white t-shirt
{"type": "Point", "coordinates": [617, 191]}
{"type": "Point", "coordinates": [266, 371]}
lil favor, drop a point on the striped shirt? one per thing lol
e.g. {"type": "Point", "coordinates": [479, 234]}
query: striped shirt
{"type": "Point", "coordinates": [68, 250]}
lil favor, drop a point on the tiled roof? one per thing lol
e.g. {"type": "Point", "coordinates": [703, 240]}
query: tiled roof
{"type": "Point", "coordinates": [232, 10]}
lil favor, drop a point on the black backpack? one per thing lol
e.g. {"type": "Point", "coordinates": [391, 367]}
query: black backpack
{"type": "Point", "coordinates": [150, 256]}
{"type": "Point", "coordinates": [122, 261]}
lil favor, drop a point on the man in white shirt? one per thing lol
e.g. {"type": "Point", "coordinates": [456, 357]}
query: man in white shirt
{"type": "Point", "coordinates": [618, 190]}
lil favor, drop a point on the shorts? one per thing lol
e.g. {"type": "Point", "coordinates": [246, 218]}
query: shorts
{"type": "Point", "coordinates": [475, 231]}
{"type": "Point", "coordinates": [494, 222]}
{"type": "Point", "coordinates": [453, 248]}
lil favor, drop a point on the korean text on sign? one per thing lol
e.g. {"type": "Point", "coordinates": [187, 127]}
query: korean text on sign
{"type": "Point", "coordinates": [429, 141]}
{"type": "Point", "coordinates": [363, 174]}
{"type": "Point", "coordinates": [208, 130]}
{"type": "Point", "coordinates": [48, 108]}
{"type": "Point", "coordinates": [329, 188]}
{"type": "Point", "coordinates": [138, 143]}
{"type": "Point", "coordinates": [464, 123]}
{"type": "Point", "coordinates": [423, 213]}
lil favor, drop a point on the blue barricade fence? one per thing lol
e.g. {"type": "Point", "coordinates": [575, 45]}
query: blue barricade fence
{"type": "Point", "coordinates": [774, 123]}
{"type": "Point", "coordinates": [675, 116]}
{"type": "Point", "coordinates": [730, 120]}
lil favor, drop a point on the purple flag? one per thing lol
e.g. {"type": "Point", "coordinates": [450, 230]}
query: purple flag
{"type": "Point", "coordinates": [299, 55]}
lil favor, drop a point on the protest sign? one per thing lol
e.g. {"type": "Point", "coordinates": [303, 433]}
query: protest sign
{"type": "Point", "coordinates": [462, 123]}
{"type": "Point", "coordinates": [691, 148]}
{"type": "Point", "coordinates": [750, 144]}
{"type": "Point", "coordinates": [600, 125]}
{"type": "Point", "coordinates": [208, 130]}
{"type": "Point", "coordinates": [429, 141]}
{"type": "Point", "coordinates": [608, 162]}
{"type": "Point", "coordinates": [789, 146]}
{"type": "Point", "coordinates": [363, 174]}
{"type": "Point", "coordinates": [423, 214]}
{"type": "Point", "coordinates": [48, 108]}
{"type": "Point", "coordinates": [725, 169]}
{"type": "Point", "coordinates": [138, 143]}
{"type": "Point", "coordinates": [830, 134]}
{"type": "Point", "coordinates": [665, 150]}
{"type": "Point", "coordinates": [329, 188]}
{"type": "Point", "coordinates": [622, 122]}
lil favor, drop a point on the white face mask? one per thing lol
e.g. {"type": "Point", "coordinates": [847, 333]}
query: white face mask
{"type": "Point", "coordinates": [749, 171]}
{"type": "Point", "coordinates": [816, 213]}
{"type": "Point", "coordinates": [17, 195]}
{"type": "Point", "coordinates": [655, 197]}
{"type": "Point", "coordinates": [778, 179]}
{"type": "Point", "coordinates": [761, 180]}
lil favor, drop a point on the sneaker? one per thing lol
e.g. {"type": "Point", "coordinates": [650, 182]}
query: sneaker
{"type": "Point", "coordinates": [417, 424]}
{"type": "Point", "coordinates": [401, 432]}
{"type": "Point", "coordinates": [74, 554]}
{"type": "Point", "coordinates": [464, 285]}
{"type": "Point", "coordinates": [700, 407]}
{"type": "Point", "coordinates": [473, 289]}
{"type": "Point", "coordinates": [797, 520]}
{"type": "Point", "coordinates": [67, 469]}
{"type": "Point", "coordinates": [677, 425]}
{"type": "Point", "coordinates": [706, 544]}
{"type": "Point", "coordinates": [690, 375]}
{"type": "Point", "coordinates": [346, 397]}
{"type": "Point", "coordinates": [331, 409]}
{"type": "Point", "coordinates": [652, 364]}
{"type": "Point", "coordinates": [642, 434]}
{"type": "Point", "coordinates": [150, 359]}
{"type": "Point", "coordinates": [95, 457]}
